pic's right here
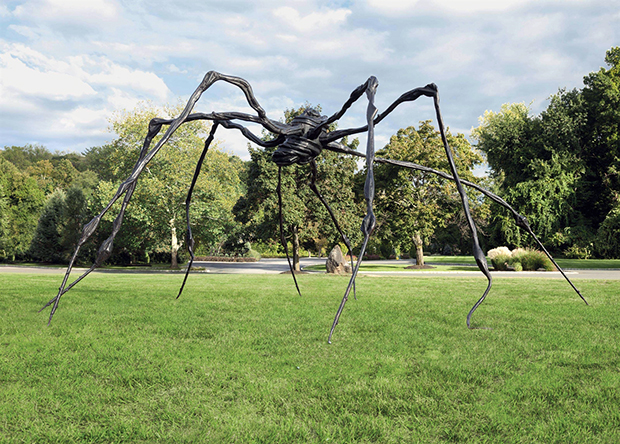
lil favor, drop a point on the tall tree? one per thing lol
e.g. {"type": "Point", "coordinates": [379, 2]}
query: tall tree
{"type": "Point", "coordinates": [562, 168]}
{"type": "Point", "coordinates": [45, 245]}
{"type": "Point", "coordinates": [158, 205]}
{"type": "Point", "coordinates": [411, 205]}
{"type": "Point", "coordinates": [23, 201]}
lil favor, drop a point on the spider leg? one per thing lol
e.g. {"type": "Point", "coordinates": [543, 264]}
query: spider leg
{"type": "Point", "coordinates": [106, 248]}
{"type": "Point", "coordinates": [343, 236]}
{"type": "Point", "coordinates": [281, 218]}
{"type": "Point", "coordinates": [128, 186]}
{"type": "Point", "coordinates": [477, 251]}
{"type": "Point", "coordinates": [226, 124]}
{"type": "Point", "coordinates": [521, 221]}
{"type": "Point", "coordinates": [190, 237]}
{"type": "Point", "coordinates": [429, 90]}
{"type": "Point", "coordinates": [369, 222]}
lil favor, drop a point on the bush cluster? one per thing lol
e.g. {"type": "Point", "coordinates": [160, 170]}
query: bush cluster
{"type": "Point", "coordinates": [519, 259]}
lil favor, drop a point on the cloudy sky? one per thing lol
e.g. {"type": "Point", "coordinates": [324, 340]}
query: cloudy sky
{"type": "Point", "coordinates": [67, 65]}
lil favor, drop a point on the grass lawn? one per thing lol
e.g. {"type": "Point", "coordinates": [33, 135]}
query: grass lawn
{"type": "Point", "coordinates": [399, 267]}
{"type": "Point", "coordinates": [564, 263]}
{"type": "Point", "coordinates": [455, 263]}
{"type": "Point", "coordinates": [243, 359]}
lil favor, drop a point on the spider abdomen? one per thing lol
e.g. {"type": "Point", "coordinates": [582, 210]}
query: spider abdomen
{"type": "Point", "coordinates": [296, 149]}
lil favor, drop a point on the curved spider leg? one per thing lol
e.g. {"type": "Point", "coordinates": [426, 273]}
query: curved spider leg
{"type": "Point", "coordinates": [477, 251]}
{"type": "Point", "coordinates": [190, 237]}
{"type": "Point", "coordinates": [343, 236]}
{"type": "Point", "coordinates": [369, 222]}
{"type": "Point", "coordinates": [431, 90]}
{"type": "Point", "coordinates": [279, 191]}
{"type": "Point", "coordinates": [355, 95]}
{"type": "Point", "coordinates": [106, 248]}
{"type": "Point", "coordinates": [127, 187]}
{"type": "Point", "coordinates": [226, 124]}
{"type": "Point", "coordinates": [521, 221]}
{"type": "Point", "coordinates": [409, 96]}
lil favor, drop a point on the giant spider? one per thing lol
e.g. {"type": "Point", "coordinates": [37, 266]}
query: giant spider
{"type": "Point", "coordinates": [299, 142]}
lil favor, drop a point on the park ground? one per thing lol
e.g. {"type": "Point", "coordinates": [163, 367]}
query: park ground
{"type": "Point", "coordinates": [242, 358]}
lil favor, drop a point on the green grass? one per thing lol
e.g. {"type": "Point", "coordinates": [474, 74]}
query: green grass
{"type": "Point", "coordinates": [243, 359]}
{"type": "Point", "coordinates": [564, 263]}
{"type": "Point", "coordinates": [399, 267]}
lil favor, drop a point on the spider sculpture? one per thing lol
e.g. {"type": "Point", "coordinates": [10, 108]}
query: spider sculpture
{"type": "Point", "coordinates": [299, 142]}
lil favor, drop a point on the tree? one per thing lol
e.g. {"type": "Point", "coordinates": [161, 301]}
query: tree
{"type": "Point", "coordinates": [157, 211]}
{"type": "Point", "coordinates": [306, 220]}
{"type": "Point", "coordinates": [22, 201]}
{"type": "Point", "coordinates": [562, 168]}
{"type": "Point", "coordinates": [24, 156]}
{"type": "Point", "coordinates": [45, 245]}
{"type": "Point", "coordinates": [411, 205]}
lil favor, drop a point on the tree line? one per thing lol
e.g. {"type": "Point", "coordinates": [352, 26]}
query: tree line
{"type": "Point", "coordinates": [560, 169]}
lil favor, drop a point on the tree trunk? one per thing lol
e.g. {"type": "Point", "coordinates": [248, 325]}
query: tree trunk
{"type": "Point", "coordinates": [296, 266]}
{"type": "Point", "coordinates": [419, 248]}
{"type": "Point", "coordinates": [174, 246]}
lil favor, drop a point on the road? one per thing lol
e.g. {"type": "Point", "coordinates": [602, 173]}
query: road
{"type": "Point", "coordinates": [275, 266]}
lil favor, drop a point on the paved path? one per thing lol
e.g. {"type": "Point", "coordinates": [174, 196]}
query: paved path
{"type": "Point", "coordinates": [275, 266]}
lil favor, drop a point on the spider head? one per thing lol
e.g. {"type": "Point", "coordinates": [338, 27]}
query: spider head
{"type": "Point", "coordinates": [298, 148]}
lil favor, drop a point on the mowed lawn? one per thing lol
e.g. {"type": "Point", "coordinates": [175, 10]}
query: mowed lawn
{"type": "Point", "coordinates": [243, 359]}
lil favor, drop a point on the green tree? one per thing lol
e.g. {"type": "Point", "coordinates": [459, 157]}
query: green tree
{"type": "Point", "coordinates": [24, 156]}
{"type": "Point", "coordinates": [23, 201]}
{"type": "Point", "coordinates": [46, 245]}
{"type": "Point", "coordinates": [412, 205]}
{"type": "Point", "coordinates": [306, 221]}
{"type": "Point", "coordinates": [562, 168]}
{"type": "Point", "coordinates": [157, 212]}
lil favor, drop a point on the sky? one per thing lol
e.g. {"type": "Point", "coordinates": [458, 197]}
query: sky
{"type": "Point", "coordinates": [68, 66]}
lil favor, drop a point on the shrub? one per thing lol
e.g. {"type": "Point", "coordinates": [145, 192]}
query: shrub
{"type": "Point", "coordinates": [519, 259]}
{"type": "Point", "coordinates": [500, 262]}
{"type": "Point", "coordinates": [500, 257]}
{"type": "Point", "coordinates": [608, 236]}
{"type": "Point", "coordinates": [532, 260]}
{"type": "Point", "coordinates": [576, 252]}
{"type": "Point", "coordinates": [499, 251]}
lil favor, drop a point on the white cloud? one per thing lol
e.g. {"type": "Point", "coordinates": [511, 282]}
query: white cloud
{"type": "Point", "coordinates": [111, 74]}
{"type": "Point", "coordinates": [397, 8]}
{"type": "Point", "coordinates": [26, 31]}
{"type": "Point", "coordinates": [480, 53]}
{"type": "Point", "coordinates": [176, 70]}
{"type": "Point", "coordinates": [68, 11]}
{"type": "Point", "coordinates": [312, 22]}
{"type": "Point", "coordinates": [20, 79]}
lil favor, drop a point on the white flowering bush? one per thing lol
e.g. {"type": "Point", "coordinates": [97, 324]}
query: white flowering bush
{"type": "Point", "coordinates": [499, 251]}
{"type": "Point", "coordinates": [519, 259]}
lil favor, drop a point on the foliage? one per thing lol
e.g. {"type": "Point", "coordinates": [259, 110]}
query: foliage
{"type": "Point", "coordinates": [560, 169]}
{"type": "Point", "coordinates": [155, 218]}
{"type": "Point", "coordinates": [519, 259]}
{"type": "Point", "coordinates": [21, 201]}
{"type": "Point", "coordinates": [25, 156]}
{"type": "Point", "coordinates": [411, 206]}
{"type": "Point", "coordinates": [45, 246]}
{"type": "Point", "coordinates": [608, 236]}
{"type": "Point", "coordinates": [60, 226]}
{"type": "Point", "coordinates": [576, 252]}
